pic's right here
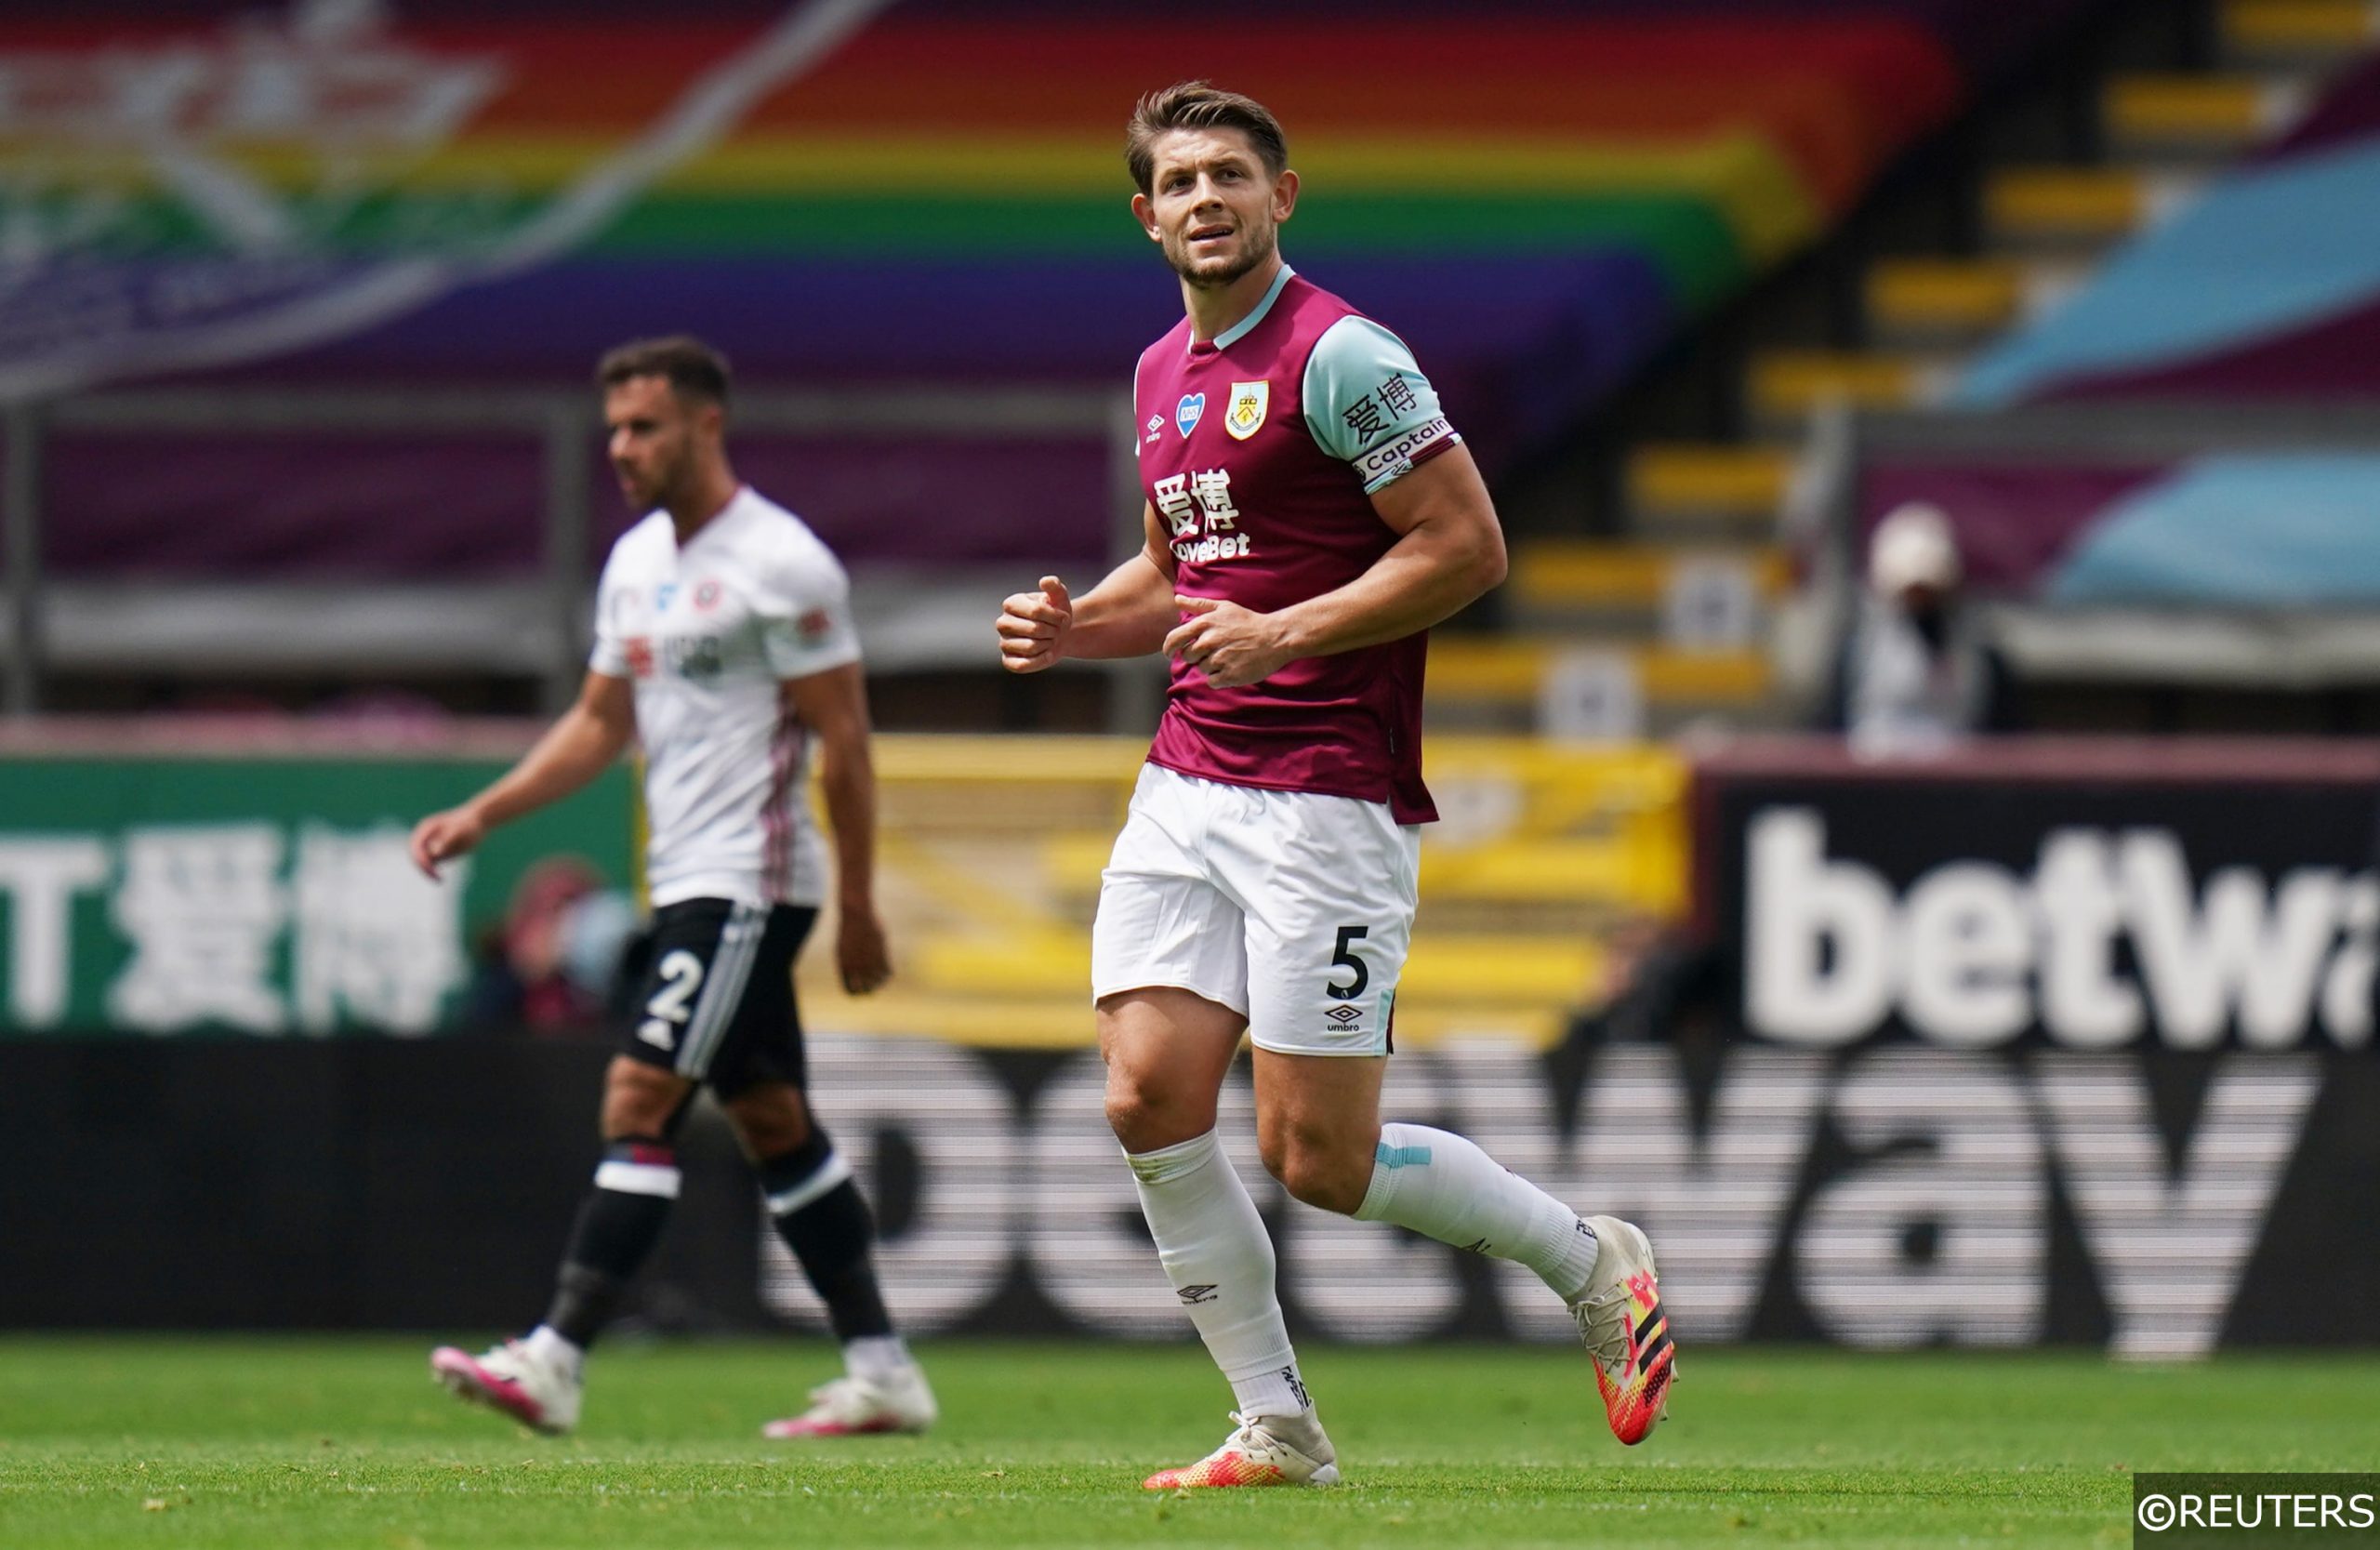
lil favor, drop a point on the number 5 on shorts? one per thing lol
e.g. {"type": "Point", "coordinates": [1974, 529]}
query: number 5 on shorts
{"type": "Point", "coordinates": [1342, 956]}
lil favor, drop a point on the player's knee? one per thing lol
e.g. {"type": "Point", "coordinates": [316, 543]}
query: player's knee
{"type": "Point", "coordinates": [1147, 1115]}
{"type": "Point", "coordinates": [1314, 1168]}
{"type": "Point", "coordinates": [1134, 1116]}
{"type": "Point", "coordinates": [769, 1121]}
{"type": "Point", "coordinates": [642, 1100]}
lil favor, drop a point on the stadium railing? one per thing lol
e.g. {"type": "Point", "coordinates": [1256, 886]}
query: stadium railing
{"type": "Point", "coordinates": [274, 591]}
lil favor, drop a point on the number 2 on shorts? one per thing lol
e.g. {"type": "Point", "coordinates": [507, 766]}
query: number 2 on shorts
{"type": "Point", "coordinates": [680, 973]}
{"type": "Point", "coordinates": [1343, 958]}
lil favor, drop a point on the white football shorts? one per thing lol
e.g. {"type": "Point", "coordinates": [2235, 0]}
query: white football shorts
{"type": "Point", "coordinates": [1292, 909]}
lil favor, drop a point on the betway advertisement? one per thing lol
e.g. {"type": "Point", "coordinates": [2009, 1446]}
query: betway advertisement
{"type": "Point", "coordinates": [2087, 895]}
{"type": "Point", "coordinates": [1886, 1197]}
{"type": "Point", "coordinates": [2053, 1044]}
{"type": "Point", "coordinates": [2095, 1024]}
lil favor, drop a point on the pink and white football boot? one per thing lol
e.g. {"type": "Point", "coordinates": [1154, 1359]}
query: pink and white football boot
{"type": "Point", "coordinates": [862, 1407]}
{"type": "Point", "coordinates": [534, 1389]}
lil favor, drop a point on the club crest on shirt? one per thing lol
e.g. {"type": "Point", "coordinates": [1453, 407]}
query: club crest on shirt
{"type": "Point", "coordinates": [1248, 403]}
{"type": "Point", "coordinates": [1186, 413]}
{"type": "Point", "coordinates": [706, 597]}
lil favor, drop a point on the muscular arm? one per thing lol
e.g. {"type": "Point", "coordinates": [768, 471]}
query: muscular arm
{"type": "Point", "coordinates": [1126, 615]}
{"type": "Point", "coordinates": [1449, 551]}
{"type": "Point", "coordinates": [834, 704]}
{"type": "Point", "coordinates": [575, 749]}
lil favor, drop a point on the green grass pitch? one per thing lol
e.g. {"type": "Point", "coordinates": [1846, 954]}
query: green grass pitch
{"type": "Point", "coordinates": [245, 1444]}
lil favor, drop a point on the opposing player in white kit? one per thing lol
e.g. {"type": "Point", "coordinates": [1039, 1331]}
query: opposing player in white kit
{"type": "Point", "coordinates": [724, 643]}
{"type": "Point", "coordinates": [1310, 514]}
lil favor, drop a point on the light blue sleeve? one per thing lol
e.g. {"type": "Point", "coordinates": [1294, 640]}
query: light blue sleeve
{"type": "Point", "coordinates": [1367, 402]}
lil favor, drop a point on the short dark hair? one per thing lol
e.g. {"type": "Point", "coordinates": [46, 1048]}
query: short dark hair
{"type": "Point", "coordinates": [1197, 105]}
{"type": "Point", "coordinates": [693, 369]}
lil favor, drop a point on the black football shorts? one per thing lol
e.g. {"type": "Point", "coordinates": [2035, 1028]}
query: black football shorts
{"type": "Point", "coordinates": [716, 1005]}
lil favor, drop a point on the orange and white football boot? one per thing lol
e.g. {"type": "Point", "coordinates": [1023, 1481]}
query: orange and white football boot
{"type": "Point", "coordinates": [1619, 1318]}
{"type": "Point", "coordinates": [1258, 1454]}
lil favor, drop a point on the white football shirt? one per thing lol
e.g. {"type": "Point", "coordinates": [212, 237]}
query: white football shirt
{"type": "Point", "coordinates": [706, 633]}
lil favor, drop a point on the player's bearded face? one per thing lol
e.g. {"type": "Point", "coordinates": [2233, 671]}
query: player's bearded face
{"type": "Point", "coordinates": [652, 441]}
{"type": "Point", "coordinates": [1217, 259]}
{"type": "Point", "coordinates": [1212, 206]}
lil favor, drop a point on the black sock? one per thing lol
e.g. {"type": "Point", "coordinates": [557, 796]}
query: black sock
{"type": "Point", "coordinates": [635, 1186]}
{"type": "Point", "coordinates": [820, 1215]}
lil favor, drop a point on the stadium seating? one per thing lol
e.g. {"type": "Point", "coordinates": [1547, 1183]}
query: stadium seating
{"type": "Point", "coordinates": [992, 850]}
{"type": "Point", "coordinates": [2246, 313]}
{"type": "Point", "coordinates": [2269, 286]}
{"type": "Point", "coordinates": [1540, 199]}
{"type": "Point", "coordinates": [2285, 86]}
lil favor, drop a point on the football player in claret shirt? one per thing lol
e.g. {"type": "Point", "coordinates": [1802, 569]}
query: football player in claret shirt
{"type": "Point", "coordinates": [724, 644]}
{"type": "Point", "coordinates": [1310, 515]}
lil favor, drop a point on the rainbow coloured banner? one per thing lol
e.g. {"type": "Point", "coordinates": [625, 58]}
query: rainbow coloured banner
{"type": "Point", "coordinates": [857, 191]}
{"type": "Point", "coordinates": [258, 187]}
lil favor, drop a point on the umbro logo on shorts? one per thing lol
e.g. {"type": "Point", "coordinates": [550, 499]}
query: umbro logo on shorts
{"type": "Point", "coordinates": [1342, 1015]}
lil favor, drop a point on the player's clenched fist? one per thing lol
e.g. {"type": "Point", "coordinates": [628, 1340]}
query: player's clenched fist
{"type": "Point", "coordinates": [859, 954]}
{"type": "Point", "coordinates": [1033, 627]}
{"type": "Point", "coordinates": [1234, 646]}
{"type": "Point", "coordinates": [443, 836]}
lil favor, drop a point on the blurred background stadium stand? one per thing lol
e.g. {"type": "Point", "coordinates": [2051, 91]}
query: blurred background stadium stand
{"type": "Point", "coordinates": [303, 500]}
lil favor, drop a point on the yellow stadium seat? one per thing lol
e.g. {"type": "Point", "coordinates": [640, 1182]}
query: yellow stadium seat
{"type": "Point", "coordinates": [1788, 384]}
{"type": "Point", "coordinates": [992, 847]}
{"type": "Point", "coordinates": [1638, 877]}
{"type": "Point", "coordinates": [2072, 205]}
{"type": "Point", "coordinates": [1060, 1023]}
{"type": "Point", "coordinates": [1944, 295]}
{"type": "Point", "coordinates": [1513, 667]}
{"type": "Point", "coordinates": [1072, 862]}
{"type": "Point", "coordinates": [2300, 28]}
{"type": "Point", "coordinates": [1670, 479]}
{"type": "Point", "coordinates": [1485, 971]}
{"type": "Point", "coordinates": [1625, 870]}
{"type": "Point", "coordinates": [2210, 113]}
{"type": "Point", "coordinates": [1583, 574]}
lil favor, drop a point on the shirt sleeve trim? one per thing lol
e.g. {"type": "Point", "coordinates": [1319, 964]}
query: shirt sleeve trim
{"type": "Point", "coordinates": [1393, 460]}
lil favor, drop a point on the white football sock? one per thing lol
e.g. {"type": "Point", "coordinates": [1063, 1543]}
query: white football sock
{"type": "Point", "coordinates": [549, 1346]}
{"type": "Point", "coordinates": [877, 1358]}
{"type": "Point", "coordinates": [1444, 1187]}
{"type": "Point", "coordinates": [1220, 1260]}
